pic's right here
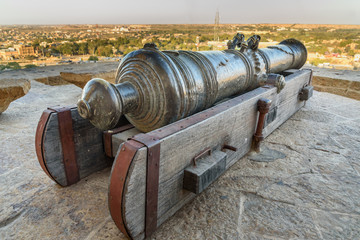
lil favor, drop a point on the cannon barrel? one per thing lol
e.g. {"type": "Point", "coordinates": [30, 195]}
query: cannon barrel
{"type": "Point", "coordinates": [155, 88]}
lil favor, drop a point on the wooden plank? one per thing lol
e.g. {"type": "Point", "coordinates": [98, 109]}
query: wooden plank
{"type": "Point", "coordinates": [88, 148]}
{"type": "Point", "coordinates": [235, 125]}
{"type": "Point", "coordinates": [119, 138]}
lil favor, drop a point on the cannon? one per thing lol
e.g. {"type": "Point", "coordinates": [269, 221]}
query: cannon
{"type": "Point", "coordinates": [155, 88]}
{"type": "Point", "coordinates": [189, 116]}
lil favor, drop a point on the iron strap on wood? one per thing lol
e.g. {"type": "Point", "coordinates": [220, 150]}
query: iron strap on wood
{"type": "Point", "coordinates": [67, 143]}
{"type": "Point", "coordinates": [117, 182]}
{"type": "Point", "coordinates": [39, 141]}
{"type": "Point", "coordinates": [263, 108]}
{"type": "Point", "coordinates": [152, 180]}
{"type": "Point", "coordinates": [107, 137]}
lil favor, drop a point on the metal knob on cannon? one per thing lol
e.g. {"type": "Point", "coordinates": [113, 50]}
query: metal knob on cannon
{"type": "Point", "coordinates": [155, 88]}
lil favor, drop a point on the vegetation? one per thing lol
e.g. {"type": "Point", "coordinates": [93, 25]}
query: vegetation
{"type": "Point", "coordinates": [15, 65]}
{"type": "Point", "coordinates": [27, 66]}
{"type": "Point", "coordinates": [324, 41]}
{"type": "Point", "coordinates": [317, 61]}
{"type": "Point", "coordinates": [320, 40]}
{"type": "Point", "coordinates": [93, 58]}
{"type": "Point", "coordinates": [10, 65]}
{"type": "Point", "coordinates": [30, 57]}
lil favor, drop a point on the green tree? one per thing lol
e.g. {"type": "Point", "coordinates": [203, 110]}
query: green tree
{"type": "Point", "coordinates": [13, 65]}
{"type": "Point", "coordinates": [27, 66]}
{"type": "Point", "coordinates": [92, 45]}
{"type": "Point", "coordinates": [105, 50]}
{"type": "Point", "coordinates": [122, 41]}
{"type": "Point", "coordinates": [93, 58]}
{"type": "Point", "coordinates": [344, 43]}
{"type": "Point", "coordinates": [83, 48]}
{"type": "Point", "coordinates": [36, 43]}
{"type": "Point", "coordinates": [351, 52]}
{"type": "Point", "coordinates": [66, 49]}
{"type": "Point", "coordinates": [337, 50]}
{"type": "Point", "coordinates": [30, 57]}
{"type": "Point", "coordinates": [317, 61]}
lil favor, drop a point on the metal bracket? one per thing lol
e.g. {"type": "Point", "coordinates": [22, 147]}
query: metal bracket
{"type": "Point", "coordinates": [107, 137]}
{"type": "Point", "coordinates": [263, 108]}
{"type": "Point", "coordinates": [201, 154]}
{"type": "Point", "coordinates": [67, 143]}
{"type": "Point", "coordinates": [152, 180]}
{"type": "Point", "coordinates": [270, 116]}
{"type": "Point", "coordinates": [228, 147]}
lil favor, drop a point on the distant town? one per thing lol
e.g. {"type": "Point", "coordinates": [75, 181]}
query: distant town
{"type": "Point", "coordinates": [29, 46]}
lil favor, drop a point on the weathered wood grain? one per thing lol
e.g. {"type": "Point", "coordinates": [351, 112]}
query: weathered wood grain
{"type": "Point", "coordinates": [235, 125]}
{"type": "Point", "coordinates": [89, 151]}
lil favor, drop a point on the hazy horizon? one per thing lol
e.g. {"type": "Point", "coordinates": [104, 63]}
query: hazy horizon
{"type": "Point", "coordinates": [41, 12]}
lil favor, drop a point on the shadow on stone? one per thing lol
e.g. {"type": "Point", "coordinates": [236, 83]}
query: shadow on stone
{"type": "Point", "coordinates": [266, 155]}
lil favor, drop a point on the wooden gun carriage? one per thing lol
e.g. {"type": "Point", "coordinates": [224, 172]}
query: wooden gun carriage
{"type": "Point", "coordinates": [154, 174]}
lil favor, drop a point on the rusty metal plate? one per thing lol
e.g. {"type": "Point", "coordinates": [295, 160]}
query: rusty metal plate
{"type": "Point", "coordinates": [152, 181]}
{"type": "Point", "coordinates": [107, 136]}
{"type": "Point", "coordinates": [67, 143]}
{"type": "Point", "coordinates": [39, 141]}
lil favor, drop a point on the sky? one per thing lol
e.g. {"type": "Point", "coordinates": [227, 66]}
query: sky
{"type": "Point", "coordinates": [178, 12]}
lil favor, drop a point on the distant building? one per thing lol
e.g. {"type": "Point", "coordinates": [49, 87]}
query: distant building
{"type": "Point", "coordinates": [124, 29]}
{"type": "Point", "coordinates": [18, 51]}
{"type": "Point", "coordinates": [253, 32]}
{"type": "Point", "coordinates": [25, 50]}
{"type": "Point", "coordinates": [357, 57]}
{"type": "Point", "coordinates": [218, 44]}
{"type": "Point", "coordinates": [8, 54]}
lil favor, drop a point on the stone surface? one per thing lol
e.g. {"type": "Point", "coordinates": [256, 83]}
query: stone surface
{"type": "Point", "coordinates": [12, 89]}
{"type": "Point", "coordinates": [311, 193]}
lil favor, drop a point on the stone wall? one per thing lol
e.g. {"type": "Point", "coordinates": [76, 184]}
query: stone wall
{"type": "Point", "coordinates": [80, 78]}
{"type": "Point", "coordinates": [340, 82]}
{"type": "Point", "coordinates": [15, 84]}
{"type": "Point", "coordinates": [12, 89]}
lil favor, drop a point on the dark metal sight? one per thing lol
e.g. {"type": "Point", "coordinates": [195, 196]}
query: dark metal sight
{"type": "Point", "coordinates": [155, 88]}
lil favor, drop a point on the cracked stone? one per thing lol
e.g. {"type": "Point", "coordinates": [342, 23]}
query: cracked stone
{"type": "Point", "coordinates": [337, 225]}
{"type": "Point", "coordinates": [271, 218]}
